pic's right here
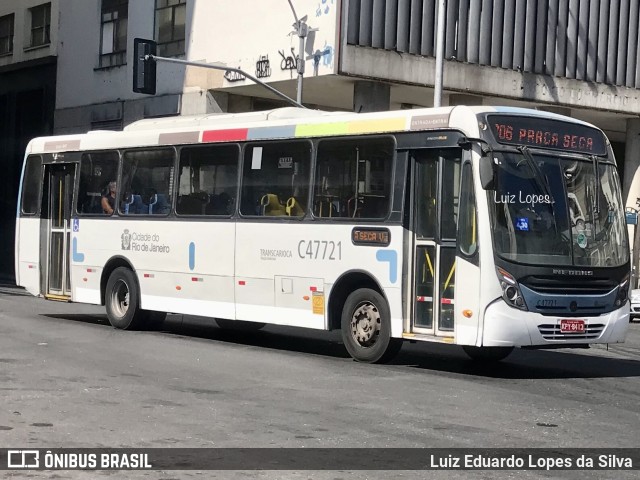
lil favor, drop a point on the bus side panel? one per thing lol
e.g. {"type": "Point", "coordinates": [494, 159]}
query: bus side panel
{"type": "Point", "coordinates": [182, 267]}
{"type": "Point", "coordinates": [28, 254]}
{"type": "Point", "coordinates": [285, 270]}
{"type": "Point", "coordinates": [273, 283]}
{"type": "Point", "coordinates": [467, 298]}
{"type": "Point", "coordinates": [185, 266]}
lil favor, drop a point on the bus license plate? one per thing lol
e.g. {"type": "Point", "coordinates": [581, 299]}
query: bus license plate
{"type": "Point", "coordinates": [571, 326]}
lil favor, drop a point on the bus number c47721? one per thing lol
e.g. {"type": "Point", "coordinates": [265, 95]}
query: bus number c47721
{"type": "Point", "coordinates": [320, 250]}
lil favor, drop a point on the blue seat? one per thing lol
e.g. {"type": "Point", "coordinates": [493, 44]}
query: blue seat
{"type": "Point", "coordinates": [134, 207]}
{"type": "Point", "coordinates": [159, 205]}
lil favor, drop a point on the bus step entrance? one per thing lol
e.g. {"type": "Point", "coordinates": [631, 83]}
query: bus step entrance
{"type": "Point", "coordinates": [58, 298]}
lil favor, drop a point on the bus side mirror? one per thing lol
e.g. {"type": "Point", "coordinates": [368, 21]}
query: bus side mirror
{"type": "Point", "coordinates": [487, 172]}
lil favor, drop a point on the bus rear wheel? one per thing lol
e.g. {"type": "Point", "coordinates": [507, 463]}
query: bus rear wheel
{"type": "Point", "coordinates": [487, 354]}
{"type": "Point", "coordinates": [366, 327]}
{"type": "Point", "coordinates": [122, 300]}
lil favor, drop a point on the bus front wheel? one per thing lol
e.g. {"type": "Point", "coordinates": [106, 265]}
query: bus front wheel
{"type": "Point", "coordinates": [122, 300]}
{"type": "Point", "coordinates": [487, 354]}
{"type": "Point", "coordinates": [366, 327]}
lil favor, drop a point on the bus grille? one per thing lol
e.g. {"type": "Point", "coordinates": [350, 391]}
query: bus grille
{"type": "Point", "coordinates": [552, 332]}
{"type": "Point", "coordinates": [558, 286]}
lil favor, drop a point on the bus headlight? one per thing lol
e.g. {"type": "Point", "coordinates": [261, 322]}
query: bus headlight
{"type": "Point", "coordinates": [623, 292]}
{"type": "Point", "coordinates": [510, 289]}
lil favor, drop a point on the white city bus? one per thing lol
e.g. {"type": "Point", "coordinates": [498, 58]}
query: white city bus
{"type": "Point", "coordinates": [490, 228]}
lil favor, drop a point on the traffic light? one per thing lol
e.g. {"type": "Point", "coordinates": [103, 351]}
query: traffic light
{"type": "Point", "coordinates": [144, 69]}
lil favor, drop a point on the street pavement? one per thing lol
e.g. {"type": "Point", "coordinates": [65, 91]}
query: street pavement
{"type": "Point", "coordinates": [68, 379]}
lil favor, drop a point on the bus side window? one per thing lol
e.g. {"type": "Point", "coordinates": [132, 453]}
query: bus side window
{"type": "Point", "coordinates": [32, 185]}
{"type": "Point", "coordinates": [147, 182]}
{"type": "Point", "coordinates": [208, 179]}
{"type": "Point", "coordinates": [97, 170]}
{"type": "Point", "coordinates": [275, 179]}
{"type": "Point", "coordinates": [353, 178]}
{"type": "Point", "coordinates": [467, 221]}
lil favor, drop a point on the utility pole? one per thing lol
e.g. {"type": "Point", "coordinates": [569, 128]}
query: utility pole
{"type": "Point", "coordinates": [302, 30]}
{"type": "Point", "coordinates": [437, 91]}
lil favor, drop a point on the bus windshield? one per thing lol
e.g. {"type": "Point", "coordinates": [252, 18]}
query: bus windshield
{"type": "Point", "coordinates": [557, 211]}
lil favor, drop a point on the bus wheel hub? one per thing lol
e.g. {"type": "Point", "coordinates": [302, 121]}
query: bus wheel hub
{"type": "Point", "coordinates": [365, 324]}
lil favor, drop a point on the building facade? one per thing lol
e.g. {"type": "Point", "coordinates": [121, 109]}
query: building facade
{"type": "Point", "coordinates": [576, 57]}
{"type": "Point", "coordinates": [28, 50]}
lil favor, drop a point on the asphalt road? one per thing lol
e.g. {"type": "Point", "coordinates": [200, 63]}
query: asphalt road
{"type": "Point", "coordinates": [68, 379]}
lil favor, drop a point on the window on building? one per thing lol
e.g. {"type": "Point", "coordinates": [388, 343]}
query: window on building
{"type": "Point", "coordinates": [147, 179]}
{"type": "Point", "coordinates": [275, 179]}
{"type": "Point", "coordinates": [171, 26]}
{"type": "Point", "coordinates": [40, 25]}
{"type": "Point", "coordinates": [113, 40]}
{"type": "Point", "coordinates": [98, 172]}
{"type": "Point", "coordinates": [208, 180]}
{"type": "Point", "coordinates": [6, 34]}
{"type": "Point", "coordinates": [353, 178]}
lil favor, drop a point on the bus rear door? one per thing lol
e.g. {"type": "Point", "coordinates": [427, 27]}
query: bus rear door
{"type": "Point", "coordinates": [59, 182]}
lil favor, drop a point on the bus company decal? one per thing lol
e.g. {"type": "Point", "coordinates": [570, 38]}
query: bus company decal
{"type": "Point", "coordinates": [192, 255]}
{"type": "Point", "coordinates": [390, 256]}
{"type": "Point", "coordinates": [143, 242]}
{"type": "Point", "coordinates": [274, 253]}
{"type": "Point", "coordinates": [75, 254]}
{"type": "Point", "coordinates": [425, 122]}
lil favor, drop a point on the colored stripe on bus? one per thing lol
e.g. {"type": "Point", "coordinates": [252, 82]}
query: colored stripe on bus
{"type": "Point", "coordinates": [58, 145]}
{"type": "Point", "coordinates": [382, 125]}
{"type": "Point", "coordinates": [225, 135]}
{"type": "Point", "coordinates": [258, 133]}
{"type": "Point", "coordinates": [178, 137]}
{"type": "Point", "coordinates": [320, 129]}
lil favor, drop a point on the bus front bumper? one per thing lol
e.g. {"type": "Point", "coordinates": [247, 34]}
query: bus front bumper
{"type": "Point", "coordinates": [505, 326]}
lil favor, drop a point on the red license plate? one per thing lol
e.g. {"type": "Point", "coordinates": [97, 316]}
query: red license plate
{"type": "Point", "coordinates": [571, 326]}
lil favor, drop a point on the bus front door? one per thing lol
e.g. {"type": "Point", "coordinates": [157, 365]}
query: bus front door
{"type": "Point", "coordinates": [59, 183]}
{"type": "Point", "coordinates": [435, 192]}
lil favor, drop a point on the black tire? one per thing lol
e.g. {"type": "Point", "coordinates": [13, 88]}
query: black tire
{"type": "Point", "coordinates": [239, 325]}
{"type": "Point", "coordinates": [122, 300]}
{"type": "Point", "coordinates": [366, 327]}
{"type": "Point", "coordinates": [487, 354]}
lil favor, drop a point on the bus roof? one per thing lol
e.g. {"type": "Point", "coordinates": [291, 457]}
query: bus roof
{"type": "Point", "coordinates": [288, 122]}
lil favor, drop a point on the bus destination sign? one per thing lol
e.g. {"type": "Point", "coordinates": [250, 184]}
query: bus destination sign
{"type": "Point", "coordinates": [546, 133]}
{"type": "Point", "coordinates": [371, 236]}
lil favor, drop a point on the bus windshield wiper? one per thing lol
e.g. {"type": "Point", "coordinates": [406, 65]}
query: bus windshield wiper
{"type": "Point", "coordinates": [526, 154]}
{"type": "Point", "coordinates": [594, 159]}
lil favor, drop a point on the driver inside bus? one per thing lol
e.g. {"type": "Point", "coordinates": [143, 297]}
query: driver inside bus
{"type": "Point", "coordinates": [109, 199]}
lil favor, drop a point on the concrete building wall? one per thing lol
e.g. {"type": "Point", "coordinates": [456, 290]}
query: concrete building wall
{"type": "Point", "coordinates": [27, 93]}
{"type": "Point", "coordinates": [22, 49]}
{"type": "Point", "coordinates": [90, 96]}
{"type": "Point", "coordinates": [257, 37]}
{"type": "Point", "coordinates": [254, 36]}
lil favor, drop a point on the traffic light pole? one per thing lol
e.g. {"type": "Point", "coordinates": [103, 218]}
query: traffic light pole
{"type": "Point", "coordinates": [155, 58]}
